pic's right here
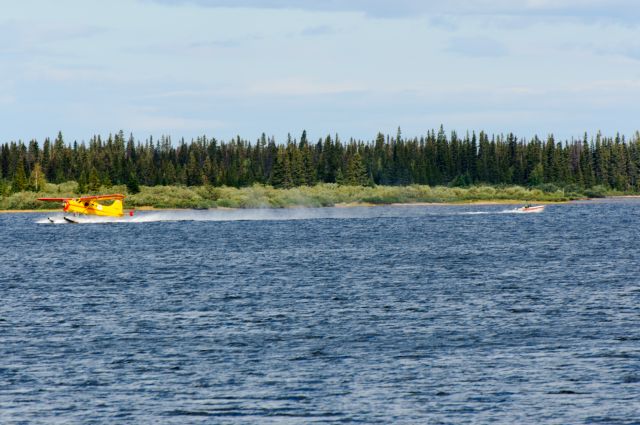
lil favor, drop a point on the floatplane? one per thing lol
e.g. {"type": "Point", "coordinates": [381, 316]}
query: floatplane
{"type": "Point", "coordinates": [90, 206]}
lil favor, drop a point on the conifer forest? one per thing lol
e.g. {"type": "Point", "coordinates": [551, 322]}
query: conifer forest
{"type": "Point", "coordinates": [436, 158]}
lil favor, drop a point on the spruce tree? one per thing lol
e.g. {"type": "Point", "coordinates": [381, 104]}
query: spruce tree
{"type": "Point", "coordinates": [194, 172]}
{"type": "Point", "coordinates": [94, 180]}
{"type": "Point", "coordinates": [297, 167]}
{"type": "Point", "coordinates": [537, 175]}
{"type": "Point", "coordinates": [20, 182]}
{"type": "Point", "coordinates": [281, 176]}
{"type": "Point", "coordinates": [356, 174]}
{"type": "Point", "coordinates": [133, 186]}
{"type": "Point", "coordinates": [82, 184]}
{"type": "Point", "coordinates": [311, 177]}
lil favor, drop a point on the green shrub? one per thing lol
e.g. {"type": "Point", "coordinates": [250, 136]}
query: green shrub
{"type": "Point", "coordinates": [549, 188]}
{"type": "Point", "coordinates": [596, 192]}
{"type": "Point", "coordinates": [321, 195]}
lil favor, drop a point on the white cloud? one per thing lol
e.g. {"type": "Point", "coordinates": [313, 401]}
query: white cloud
{"type": "Point", "coordinates": [6, 99]}
{"type": "Point", "coordinates": [302, 87]}
{"type": "Point", "coordinates": [19, 36]}
{"type": "Point", "coordinates": [624, 10]}
{"type": "Point", "coordinates": [477, 47]}
{"type": "Point", "coordinates": [317, 31]}
{"type": "Point", "coordinates": [165, 124]}
{"type": "Point", "coordinates": [292, 87]}
{"type": "Point", "coordinates": [243, 69]}
{"type": "Point", "coordinates": [68, 74]}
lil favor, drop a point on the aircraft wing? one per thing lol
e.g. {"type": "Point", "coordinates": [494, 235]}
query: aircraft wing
{"type": "Point", "coordinates": [86, 198]}
{"type": "Point", "coordinates": [54, 199]}
{"type": "Point", "coordinates": [101, 197]}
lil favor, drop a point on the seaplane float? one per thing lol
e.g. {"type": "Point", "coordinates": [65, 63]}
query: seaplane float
{"type": "Point", "coordinates": [531, 209]}
{"type": "Point", "coordinates": [90, 206]}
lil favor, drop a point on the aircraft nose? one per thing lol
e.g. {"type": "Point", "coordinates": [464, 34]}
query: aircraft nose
{"type": "Point", "coordinates": [66, 206]}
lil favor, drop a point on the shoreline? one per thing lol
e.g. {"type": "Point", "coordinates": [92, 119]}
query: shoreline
{"type": "Point", "coordinates": [338, 205]}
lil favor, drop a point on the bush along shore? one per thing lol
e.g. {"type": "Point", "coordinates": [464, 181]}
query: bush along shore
{"type": "Point", "coordinates": [321, 195]}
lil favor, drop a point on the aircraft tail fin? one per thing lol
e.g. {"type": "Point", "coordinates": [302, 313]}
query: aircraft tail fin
{"type": "Point", "coordinates": [117, 207]}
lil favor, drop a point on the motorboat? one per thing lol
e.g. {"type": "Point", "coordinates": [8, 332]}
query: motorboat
{"type": "Point", "coordinates": [531, 209]}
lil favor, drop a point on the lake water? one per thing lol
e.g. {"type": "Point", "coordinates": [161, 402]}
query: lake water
{"type": "Point", "coordinates": [422, 314]}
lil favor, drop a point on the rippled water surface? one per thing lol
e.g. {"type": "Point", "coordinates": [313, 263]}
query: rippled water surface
{"type": "Point", "coordinates": [423, 314]}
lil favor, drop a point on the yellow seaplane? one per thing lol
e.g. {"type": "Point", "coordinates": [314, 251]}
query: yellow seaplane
{"type": "Point", "coordinates": [90, 205]}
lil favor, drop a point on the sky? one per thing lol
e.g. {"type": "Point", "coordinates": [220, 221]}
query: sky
{"type": "Point", "coordinates": [223, 68]}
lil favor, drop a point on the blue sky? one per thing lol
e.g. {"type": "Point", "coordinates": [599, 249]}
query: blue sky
{"type": "Point", "coordinates": [353, 67]}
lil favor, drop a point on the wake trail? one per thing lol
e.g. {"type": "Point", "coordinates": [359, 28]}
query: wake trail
{"type": "Point", "coordinates": [266, 214]}
{"type": "Point", "coordinates": [511, 211]}
{"type": "Point", "coordinates": [218, 215]}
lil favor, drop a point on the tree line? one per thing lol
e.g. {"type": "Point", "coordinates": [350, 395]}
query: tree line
{"type": "Point", "coordinates": [436, 158]}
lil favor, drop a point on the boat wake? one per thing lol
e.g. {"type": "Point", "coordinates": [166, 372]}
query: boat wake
{"type": "Point", "coordinates": [509, 211]}
{"type": "Point", "coordinates": [217, 215]}
{"type": "Point", "coordinates": [264, 215]}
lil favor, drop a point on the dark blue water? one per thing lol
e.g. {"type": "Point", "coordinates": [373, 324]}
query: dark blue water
{"type": "Point", "coordinates": [366, 315]}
